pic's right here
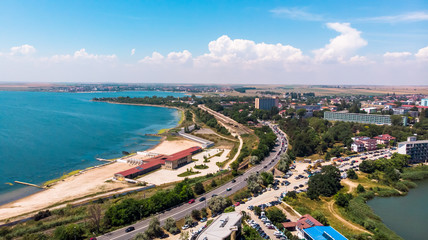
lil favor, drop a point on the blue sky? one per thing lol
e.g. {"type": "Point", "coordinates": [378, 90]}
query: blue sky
{"type": "Point", "coordinates": [105, 28]}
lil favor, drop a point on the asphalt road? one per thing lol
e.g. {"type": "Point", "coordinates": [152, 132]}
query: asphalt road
{"type": "Point", "coordinates": [181, 211]}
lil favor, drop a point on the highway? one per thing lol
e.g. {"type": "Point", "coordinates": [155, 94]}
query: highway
{"type": "Point", "coordinates": [181, 211]}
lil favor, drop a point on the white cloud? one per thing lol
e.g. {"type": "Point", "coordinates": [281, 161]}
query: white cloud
{"type": "Point", "coordinates": [132, 51]}
{"type": "Point", "coordinates": [82, 54]}
{"type": "Point", "coordinates": [406, 17]}
{"type": "Point", "coordinates": [296, 14]}
{"type": "Point", "coordinates": [155, 58]}
{"type": "Point", "coordinates": [226, 50]}
{"type": "Point", "coordinates": [342, 46]}
{"type": "Point", "coordinates": [422, 53]}
{"type": "Point", "coordinates": [22, 50]}
{"type": "Point", "coordinates": [396, 55]}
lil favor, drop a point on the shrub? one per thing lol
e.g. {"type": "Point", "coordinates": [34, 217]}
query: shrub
{"type": "Point", "coordinates": [360, 188]}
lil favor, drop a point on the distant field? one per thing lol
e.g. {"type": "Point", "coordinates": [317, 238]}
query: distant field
{"type": "Point", "coordinates": [330, 90]}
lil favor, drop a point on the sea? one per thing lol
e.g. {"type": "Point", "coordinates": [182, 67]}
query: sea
{"type": "Point", "coordinates": [407, 215]}
{"type": "Point", "coordinates": [44, 135]}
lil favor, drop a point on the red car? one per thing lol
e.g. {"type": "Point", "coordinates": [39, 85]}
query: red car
{"type": "Point", "coordinates": [192, 200]}
{"type": "Point", "coordinates": [237, 203]}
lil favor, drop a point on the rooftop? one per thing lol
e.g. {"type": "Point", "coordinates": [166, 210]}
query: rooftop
{"type": "Point", "coordinates": [307, 221]}
{"type": "Point", "coordinates": [222, 227]}
{"type": "Point", "coordinates": [324, 233]}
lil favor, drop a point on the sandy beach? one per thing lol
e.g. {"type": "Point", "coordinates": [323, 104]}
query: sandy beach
{"type": "Point", "coordinates": [80, 185]}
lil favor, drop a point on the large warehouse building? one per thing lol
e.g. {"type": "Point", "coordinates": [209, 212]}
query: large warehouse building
{"type": "Point", "coordinates": [173, 161]}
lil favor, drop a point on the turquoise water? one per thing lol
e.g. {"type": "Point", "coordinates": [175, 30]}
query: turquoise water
{"type": "Point", "coordinates": [408, 215]}
{"type": "Point", "coordinates": [44, 135]}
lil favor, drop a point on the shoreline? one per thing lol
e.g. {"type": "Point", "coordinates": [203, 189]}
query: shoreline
{"type": "Point", "coordinates": [56, 182]}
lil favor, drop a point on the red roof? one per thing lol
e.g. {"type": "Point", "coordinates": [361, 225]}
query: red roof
{"type": "Point", "coordinates": [407, 106]}
{"type": "Point", "coordinates": [142, 167]}
{"type": "Point", "coordinates": [384, 137]}
{"type": "Point", "coordinates": [422, 106]}
{"type": "Point", "coordinates": [289, 224]}
{"type": "Point", "coordinates": [182, 154]}
{"type": "Point", "coordinates": [307, 221]}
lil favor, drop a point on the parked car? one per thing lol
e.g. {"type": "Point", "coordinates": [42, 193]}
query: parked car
{"type": "Point", "coordinates": [237, 203]}
{"type": "Point", "coordinates": [185, 227]}
{"type": "Point", "coordinates": [130, 229]}
{"type": "Point", "coordinates": [191, 200]}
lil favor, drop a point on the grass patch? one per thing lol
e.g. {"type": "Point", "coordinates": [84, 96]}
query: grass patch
{"type": "Point", "coordinates": [188, 173]}
{"type": "Point", "coordinates": [61, 178]}
{"type": "Point", "coordinates": [202, 166]}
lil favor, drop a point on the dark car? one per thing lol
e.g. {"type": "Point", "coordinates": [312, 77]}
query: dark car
{"type": "Point", "coordinates": [233, 180]}
{"type": "Point", "coordinates": [164, 236]}
{"type": "Point", "coordinates": [214, 195]}
{"type": "Point", "coordinates": [301, 185]}
{"type": "Point", "coordinates": [202, 199]}
{"type": "Point", "coordinates": [228, 189]}
{"type": "Point", "coordinates": [130, 229]}
{"type": "Point", "coordinates": [265, 167]}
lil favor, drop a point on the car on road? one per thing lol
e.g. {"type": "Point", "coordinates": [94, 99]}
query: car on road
{"type": "Point", "coordinates": [228, 189]}
{"type": "Point", "coordinates": [130, 229]}
{"type": "Point", "coordinates": [202, 199]}
{"type": "Point", "coordinates": [214, 195]}
{"type": "Point", "coordinates": [191, 201]}
{"type": "Point", "coordinates": [233, 180]}
{"type": "Point", "coordinates": [265, 167]}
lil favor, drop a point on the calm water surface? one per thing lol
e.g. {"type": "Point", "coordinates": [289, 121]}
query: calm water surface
{"type": "Point", "coordinates": [44, 135]}
{"type": "Point", "coordinates": [408, 215]}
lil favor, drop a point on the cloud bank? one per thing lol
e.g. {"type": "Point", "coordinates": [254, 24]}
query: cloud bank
{"type": "Point", "coordinates": [228, 61]}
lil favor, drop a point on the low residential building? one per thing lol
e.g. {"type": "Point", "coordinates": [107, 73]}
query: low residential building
{"type": "Point", "coordinates": [417, 150]}
{"type": "Point", "coordinates": [369, 143]}
{"type": "Point", "coordinates": [384, 139]}
{"type": "Point", "coordinates": [369, 110]}
{"type": "Point", "coordinates": [357, 146]}
{"type": "Point", "coordinates": [226, 226]}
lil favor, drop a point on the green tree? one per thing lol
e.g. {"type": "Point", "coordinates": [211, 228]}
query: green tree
{"type": "Point", "coordinates": [196, 214]}
{"type": "Point", "coordinates": [154, 230]}
{"type": "Point", "coordinates": [343, 199]}
{"type": "Point", "coordinates": [199, 188]}
{"type": "Point", "coordinates": [218, 204]}
{"type": "Point", "coordinates": [229, 209]}
{"type": "Point", "coordinates": [257, 210]}
{"type": "Point", "coordinates": [326, 183]}
{"type": "Point", "coordinates": [320, 217]}
{"type": "Point", "coordinates": [69, 232]}
{"type": "Point", "coordinates": [188, 220]}
{"type": "Point", "coordinates": [276, 215]}
{"type": "Point", "coordinates": [351, 174]}
{"type": "Point", "coordinates": [360, 188]}
{"type": "Point", "coordinates": [397, 120]}
{"type": "Point", "coordinates": [213, 183]}
{"type": "Point", "coordinates": [170, 225]}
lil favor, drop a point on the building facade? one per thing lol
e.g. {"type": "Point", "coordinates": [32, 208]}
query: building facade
{"type": "Point", "coordinates": [424, 102]}
{"type": "Point", "coordinates": [384, 139]}
{"type": "Point", "coordinates": [417, 150]}
{"type": "Point", "coordinates": [358, 117]}
{"type": "Point", "coordinates": [266, 103]}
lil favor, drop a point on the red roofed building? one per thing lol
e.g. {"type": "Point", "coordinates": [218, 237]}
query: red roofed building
{"type": "Point", "coordinates": [306, 221]}
{"type": "Point", "coordinates": [384, 139]}
{"type": "Point", "coordinates": [172, 161]}
{"type": "Point", "coordinates": [181, 158]}
{"type": "Point", "coordinates": [140, 170]}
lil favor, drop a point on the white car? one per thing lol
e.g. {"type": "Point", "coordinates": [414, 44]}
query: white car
{"type": "Point", "coordinates": [185, 227]}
